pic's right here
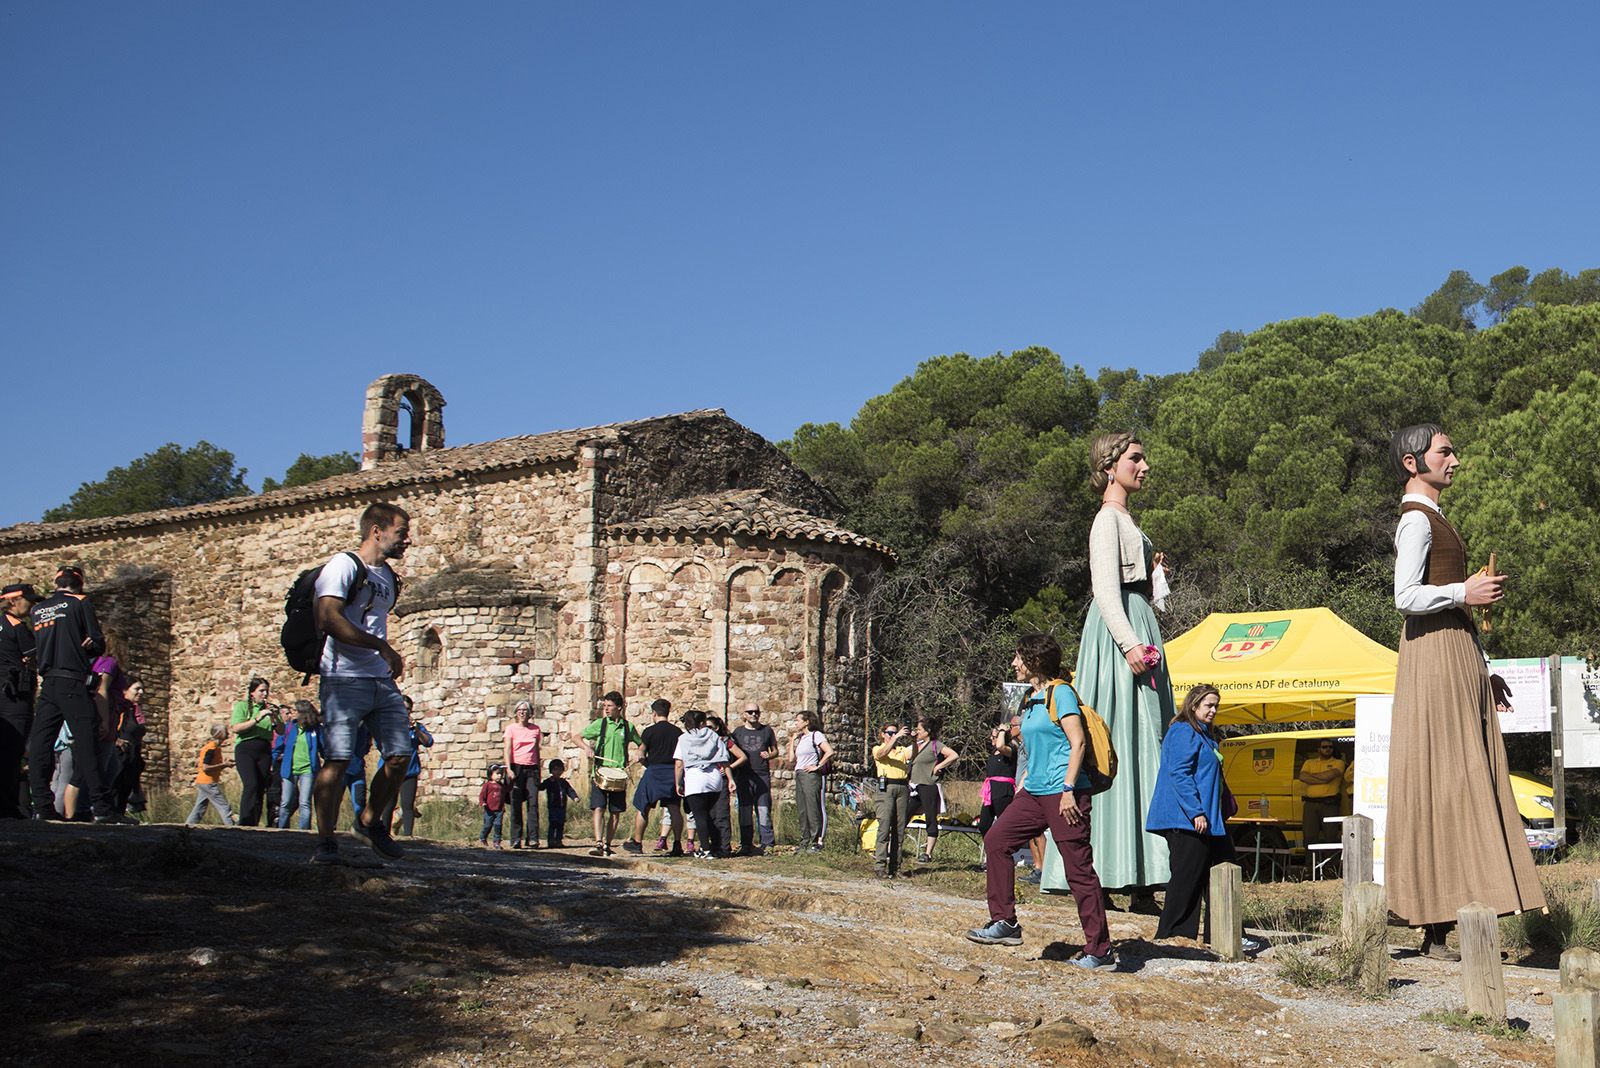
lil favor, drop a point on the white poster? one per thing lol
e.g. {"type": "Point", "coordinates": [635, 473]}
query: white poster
{"type": "Point", "coordinates": [1372, 770]}
{"type": "Point", "coordinates": [1521, 694]}
{"type": "Point", "coordinates": [1580, 714]}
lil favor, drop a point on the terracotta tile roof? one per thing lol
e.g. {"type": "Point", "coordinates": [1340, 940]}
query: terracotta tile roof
{"type": "Point", "coordinates": [746, 512]}
{"type": "Point", "coordinates": [435, 466]}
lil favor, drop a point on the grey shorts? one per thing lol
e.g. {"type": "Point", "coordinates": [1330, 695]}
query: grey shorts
{"type": "Point", "coordinates": [348, 703]}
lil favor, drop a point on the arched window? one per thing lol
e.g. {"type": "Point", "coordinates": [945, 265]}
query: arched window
{"type": "Point", "coordinates": [430, 655]}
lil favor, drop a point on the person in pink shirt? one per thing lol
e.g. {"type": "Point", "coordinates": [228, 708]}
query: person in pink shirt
{"type": "Point", "coordinates": [522, 771]}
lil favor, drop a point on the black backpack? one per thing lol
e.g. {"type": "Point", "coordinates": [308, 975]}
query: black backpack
{"type": "Point", "coordinates": [301, 638]}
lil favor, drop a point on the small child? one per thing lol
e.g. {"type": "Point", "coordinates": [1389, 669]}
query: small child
{"type": "Point", "coordinates": [557, 792]}
{"type": "Point", "coordinates": [492, 797]}
{"type": "Point", "coordinates": [208, 780]}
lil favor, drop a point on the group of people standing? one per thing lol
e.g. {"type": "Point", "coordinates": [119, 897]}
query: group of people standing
{"type": "Point", "coordinates": [1453, 831]}
{"type": "Point", "coordinates": [68, 707]}
{"type": "Point", "coordinates": [277, 754]}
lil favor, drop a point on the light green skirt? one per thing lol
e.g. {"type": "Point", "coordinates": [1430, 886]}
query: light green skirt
{"type": "Point", "coordinates": [1125, 854]}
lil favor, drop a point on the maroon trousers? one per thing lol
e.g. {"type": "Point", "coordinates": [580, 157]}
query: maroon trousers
{"type": "Point", "coordinates": [1024, 819]}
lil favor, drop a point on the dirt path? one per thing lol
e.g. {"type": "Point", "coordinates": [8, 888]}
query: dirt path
{"type": "Point", "coordinates": [137, 946]}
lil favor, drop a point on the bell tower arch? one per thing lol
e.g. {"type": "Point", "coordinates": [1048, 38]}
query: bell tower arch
{"type": "Point", "coordinates": [404, 415]}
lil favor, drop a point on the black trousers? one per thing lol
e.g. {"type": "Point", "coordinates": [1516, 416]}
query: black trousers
{"type": "Point", "coordinates": [1192, 856]}
{"type": "Point", "coordinates": [524, 802]}
{"type": "Point", "coordinates": [253, 760]}
{"type": "Point", "coordinates": [16, 721]}
{"type": "Point", "coordinates": [1000, 795]}
{"type": "Point", "coordinates": [710, 820]}
{"type": "Point", "coordinates": [128, 779]}
{"type": "Point", "coordinates": [66, 700]}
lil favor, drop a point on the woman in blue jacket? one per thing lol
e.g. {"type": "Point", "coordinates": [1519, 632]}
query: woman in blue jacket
{"type": "Point", "coordinates": [297, 767]}
{"type": "Point", "coordinates": [1187, 809]}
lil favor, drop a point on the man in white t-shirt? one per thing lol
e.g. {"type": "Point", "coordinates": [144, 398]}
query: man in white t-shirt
{"type": "Point", "coordinates": [358, 672]}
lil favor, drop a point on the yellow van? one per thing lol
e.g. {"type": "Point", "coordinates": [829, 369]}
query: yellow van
{"type": "Point", "coordinates": [1262, 770]}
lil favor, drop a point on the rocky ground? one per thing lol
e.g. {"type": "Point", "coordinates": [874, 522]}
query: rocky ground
{"type": "Point", "coordinates": [142, 946]}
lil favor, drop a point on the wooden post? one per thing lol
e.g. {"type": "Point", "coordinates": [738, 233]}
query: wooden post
{"type": "Point", "coordinates": [1482, 981]}
{"type": "Point", "coordinates": [1577, 1010]}
{"type": "Point", "coordinates": [1227, 911]}
{"type": "Point", "coordinates": [1597, 892]}
{"type": "Point", "coordinates": [1577, 1029]}
{"type": "Point", "coordinates": [1580, 969]}
{"type": "Point", "coordinates": [1357, 861]}
{"type": "Point", "coordinates": [1368, 932]}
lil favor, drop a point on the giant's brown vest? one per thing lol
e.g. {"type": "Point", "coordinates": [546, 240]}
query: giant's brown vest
{"type": "Point", "coordinates": [1447, 556]}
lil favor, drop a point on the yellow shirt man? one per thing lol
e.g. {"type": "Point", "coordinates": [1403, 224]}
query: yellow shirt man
{"type": "Point", "coordinates": [1323, 774]}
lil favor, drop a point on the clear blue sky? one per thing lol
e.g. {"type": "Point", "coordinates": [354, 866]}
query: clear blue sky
{"type": "Point", "coordinates": [220, 221]}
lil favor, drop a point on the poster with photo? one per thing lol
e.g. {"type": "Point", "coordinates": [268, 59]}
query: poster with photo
{"type": "Point", "coordinates": [1580, 713]}
{"type": "Point", "coordinates": [1521, 694]}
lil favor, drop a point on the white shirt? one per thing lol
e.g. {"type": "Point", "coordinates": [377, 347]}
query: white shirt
{"type": "Point", "coordinates": [1413, 537]}
{"type": "Point", "coordinates": [369, 612]}
{"type": "Point", "coordinates": [701, 776]}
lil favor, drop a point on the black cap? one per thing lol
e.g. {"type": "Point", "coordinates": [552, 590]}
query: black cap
{"type": "Point", "coordinates": [24, 588]}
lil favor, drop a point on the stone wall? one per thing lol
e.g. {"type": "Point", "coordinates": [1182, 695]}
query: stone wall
{"type": "Point", "coordinates": [203, 608]}
{"type": "Point", "coordinates": [717, 620]}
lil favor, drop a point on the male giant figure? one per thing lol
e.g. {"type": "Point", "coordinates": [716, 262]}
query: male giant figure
{"type": "Point", "coordinates": [1453, 835]}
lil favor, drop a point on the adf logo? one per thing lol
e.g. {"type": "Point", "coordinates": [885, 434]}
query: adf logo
{"type": "Point", "coordinates": [1242, 641]}
{"type": "Point", "coordinates": [1262, 759]}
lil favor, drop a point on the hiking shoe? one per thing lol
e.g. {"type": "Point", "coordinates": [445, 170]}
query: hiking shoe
{"type": "Point", "coordinates": [327, 852]}
{"type": "Point", "coordinates": [661, 844]}
{"type": "Point", "coordinates": [1251, 945]}
{"type": "Point", "coordinates": [1090, 962]}
{"type": "Point", "coordinates": [610, 852]}
{"type": "Point", "coordinates": [998, 933]}
{"type": "Point", "coordinates": [597, 851]}
{"type": "Point", "coordinates": [377, 836]}
{"type": "Point", "coordinates": [704, 854]}
{"type": "Point", "coordinates": [677, 850]}
{"type": "Point", "coordinates": [497, 845]}
{"type": "Point", "coordinates": [630, 846]}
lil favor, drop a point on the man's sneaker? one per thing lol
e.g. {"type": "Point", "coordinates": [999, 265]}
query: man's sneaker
{"type": "Point", "coordinates": [704, 854]}
{"type": "Point", "coordinates": [998, 933]}
{"type": "Point", "coordinates": [630, 846]}
{"type": "Point", "coordinates": [661, 844]}
{"type": "Point", "coordinates": [1090, 962]}
{"type": "Point", "coordinates": [114, 820]}
{"type": "Point", "coordinates": [1251, 945]}
{"type": "Point", "coordinates": [327, 852]}
{"type": "Point", "coordinates": [377, 836]}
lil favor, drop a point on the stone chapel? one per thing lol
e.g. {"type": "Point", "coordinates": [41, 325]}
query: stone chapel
{"type": "Point", "coordinates": [682, 557]}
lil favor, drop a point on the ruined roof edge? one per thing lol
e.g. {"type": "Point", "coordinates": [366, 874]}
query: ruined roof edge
{"type": "Point", "coordinates": [432, 466]}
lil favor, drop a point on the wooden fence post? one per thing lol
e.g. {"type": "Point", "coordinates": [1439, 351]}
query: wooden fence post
{"type": "Point", "coordinates": [1577, 1010]}
{"type": "Point", "coordinates": [1482, 981]}
{"type": "Point", "coordinates": [1580, 969]}
{"type": "Point", "coordinates": [1357, 864]}
{"type": "Point", "coordinates": [1227, 910]}
{"type": "Point", "coordinates": [1368, 932]}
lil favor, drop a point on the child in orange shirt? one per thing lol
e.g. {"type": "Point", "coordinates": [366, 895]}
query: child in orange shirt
{"type": "Point", "coordinates": [208, 780]}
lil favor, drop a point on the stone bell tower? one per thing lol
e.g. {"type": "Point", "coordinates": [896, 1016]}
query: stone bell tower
{"type": "Point", "coordinates": [390, 397]}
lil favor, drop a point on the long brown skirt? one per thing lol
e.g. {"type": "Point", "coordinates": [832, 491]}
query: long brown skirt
{"type": "Point", "coordinates": [1453, 836]}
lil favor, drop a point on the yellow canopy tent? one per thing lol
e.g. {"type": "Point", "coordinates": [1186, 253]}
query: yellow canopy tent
{"type": "Point", "coordinates": [1280, 667]}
